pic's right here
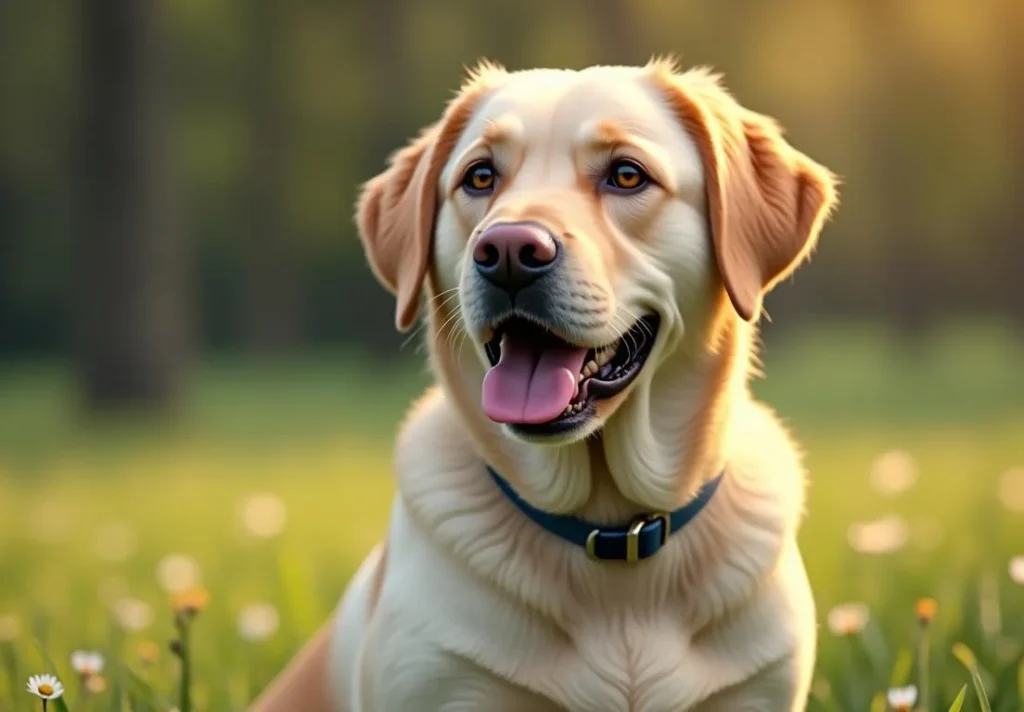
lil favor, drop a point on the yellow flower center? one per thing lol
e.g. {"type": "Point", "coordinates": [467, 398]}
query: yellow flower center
{"type": "Point", "coordinates": [45, 689]}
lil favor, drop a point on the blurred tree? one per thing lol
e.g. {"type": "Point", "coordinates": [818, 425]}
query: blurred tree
{"type": "Point", "coordinates": [280, 109]}
{"type": "Point", "coordinates": [614, 31]}
{"type": "Point", "coordinates": [894, 98]}
{"type": "Point", "coordinates": [389, 66]}
{"type": "Point", "coordinates": [1009, 250]}
{"type": "Point", "coordinates": [132, 292]}
{"type": "Point", "coordinates": [385, 58]}
{"type": "Point", "coordinates": [272, 312]}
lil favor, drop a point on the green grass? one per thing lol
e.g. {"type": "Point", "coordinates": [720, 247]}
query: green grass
{"type": "Point", "coordinates": [317, 433]}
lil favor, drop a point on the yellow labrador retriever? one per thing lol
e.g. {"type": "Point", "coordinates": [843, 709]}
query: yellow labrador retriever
{"type": "Point", "coordinates": [593, 513]}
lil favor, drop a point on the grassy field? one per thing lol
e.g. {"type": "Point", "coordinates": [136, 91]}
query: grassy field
{"type": "Point", "coordinates": [274, 481]}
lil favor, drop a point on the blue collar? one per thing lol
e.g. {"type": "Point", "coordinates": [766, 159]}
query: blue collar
{"type": "Point", "coordinates": [641, 539]}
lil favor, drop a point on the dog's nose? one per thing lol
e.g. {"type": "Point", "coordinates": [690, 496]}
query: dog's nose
{"type": "Point", "coordinates": [512, 255]}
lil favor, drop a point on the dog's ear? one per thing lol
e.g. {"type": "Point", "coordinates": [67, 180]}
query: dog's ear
{"type": "Point", "coordinates": [397, 209]}
{"type": "Point", "coordinates": [766, 201]}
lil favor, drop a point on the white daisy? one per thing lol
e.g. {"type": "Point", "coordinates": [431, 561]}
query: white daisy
{"type": "Point", "coordinates": [178, 572]}
{"type": "Point", "coordinates": [258, 622]}
{"type": "Point", "coordinates": [1011, 489]}
{"type": "Point", "coordinates": [1017, 569]}
{"type": "Point", "coordinates": [879, 536]}
{"type": "Point", "coordinates": [264, 516]}
{"type": "Point", "coordinates": [893, 472]}
{"type": "Point", "coordinates": [132, 614]}
{"type": "Point", "coordinates": [10, 628]}
{"type": "Point", "coordinates": [903, 699]}
{"type": "Point", "coordinates": [86, 663]}
{"type": "Point", "coordinates": [848, 619]}
{"type": "Point", "coordinates": [48, 687]}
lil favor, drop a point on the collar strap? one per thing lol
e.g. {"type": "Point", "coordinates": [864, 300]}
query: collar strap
{"type": "Point", "coordinates": [640, 539]}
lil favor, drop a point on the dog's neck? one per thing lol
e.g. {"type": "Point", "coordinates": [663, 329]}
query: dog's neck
{"type": "Point", "coordinates": [669, 437]}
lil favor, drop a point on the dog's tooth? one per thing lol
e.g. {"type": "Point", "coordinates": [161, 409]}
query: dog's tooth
{"type": "Point", "coordinates": [590, 369]}
{"type": "Point", "coordinates": [605, 354]}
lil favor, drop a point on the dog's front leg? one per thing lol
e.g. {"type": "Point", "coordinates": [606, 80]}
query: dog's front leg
{"type": "Point", "coordinates": [780, 687]}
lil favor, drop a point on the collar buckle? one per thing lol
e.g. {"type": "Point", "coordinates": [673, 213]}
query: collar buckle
{"type": "Point", "coordinates": [636, 527]}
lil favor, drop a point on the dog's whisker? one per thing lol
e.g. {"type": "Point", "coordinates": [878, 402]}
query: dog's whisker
{"type": "Point", "coordinates": [447, 299]}
{"type": "Point", "coordinates": [413, 334]}
{"type": "Point", "coordinates": [627, 334]}
{"type": "Point", "coordinates": [644, 326]}
{"type": "Point", "coordinates": [444, 328]}
{"type": "Point", "coordinates": [457, 329]}
{"type": "Point", "coordinates": [452, 294]}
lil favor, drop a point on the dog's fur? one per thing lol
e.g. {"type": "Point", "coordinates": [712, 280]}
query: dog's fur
{"type": "Point", "coordinates": [468, 605]}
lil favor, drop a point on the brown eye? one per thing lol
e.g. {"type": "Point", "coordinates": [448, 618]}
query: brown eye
{"type": "Point", "coordinates": [626, 175]}
{"type": "Point", "coordinates": [480, 177]}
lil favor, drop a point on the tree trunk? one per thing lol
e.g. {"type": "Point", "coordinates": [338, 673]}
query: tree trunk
{"type": "Point", "coordinates": [1010, 264]}
{"type": "Point", "coordinates": [272, 319]}
{"type": "Point", "coordinates": [132, 327]}
{"type": "Point", "coordinates": [390, 127]}
{"type": "Point", "coordinates": [904, 271]}
{"type": "Point", "coordinates": [615, 33]}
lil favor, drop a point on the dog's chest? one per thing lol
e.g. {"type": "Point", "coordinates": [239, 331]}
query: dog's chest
{"type": "Point", "coordinates": [636, 666]}
{"type": "Point", "coordinates": [630, 667]}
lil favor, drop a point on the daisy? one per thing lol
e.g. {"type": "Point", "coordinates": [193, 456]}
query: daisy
{"type": "Point", "coordinates": [10, 628]}
{"type": "Point", "coordinates": [879, 536]}
{"type": "Point", "coordinates": [86, 663]}
{"type": "Point", "coordinates": [263, 516]}
{"type": "Point", "coordinates": [178, 572]}
{"type": "Point", "coordinates": [46, 687]}
{"type": "Point", "coordinates": [1017, 569]}
{"type": "Point", "coordinates": [902, 699]}
{"type": "Point", "coordinates": [258, 622]}
{"type": "Point", "coordinates": [893, 472]}
{"type": "Point", "coordinates": [132, 614]}
{"type": "Point", "coordinates": [1011, 489]}
{"type": "Point", "coordinates": [848, 619]}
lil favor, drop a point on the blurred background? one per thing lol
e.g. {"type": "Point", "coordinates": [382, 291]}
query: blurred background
{"type": "Point", "coordinates": [188, 324]}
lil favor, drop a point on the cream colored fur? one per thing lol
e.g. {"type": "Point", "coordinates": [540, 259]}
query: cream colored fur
{"type": "Point", "coordinates": [474, 607]}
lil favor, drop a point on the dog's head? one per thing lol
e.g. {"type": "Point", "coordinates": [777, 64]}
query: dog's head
{"type": "Point", "coordinates": [576, 225]}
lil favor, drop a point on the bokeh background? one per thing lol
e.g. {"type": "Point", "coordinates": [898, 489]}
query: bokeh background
{"type": "Point", "coordinates": [200, 382]}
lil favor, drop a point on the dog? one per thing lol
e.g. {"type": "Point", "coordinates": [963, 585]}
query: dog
{"type": "Point", "coordinates": [593, 513]}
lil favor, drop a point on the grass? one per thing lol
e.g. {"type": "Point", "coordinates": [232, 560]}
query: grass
{"type": "Point", "coordinates": [89, 511]}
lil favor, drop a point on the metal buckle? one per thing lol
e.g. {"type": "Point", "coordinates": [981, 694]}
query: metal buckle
{"type": "Point", "coordinates": [591, 541]}
{"type": "Point", "coordinates": [633, 536]}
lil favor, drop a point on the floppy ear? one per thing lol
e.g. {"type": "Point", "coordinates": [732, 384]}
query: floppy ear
{"type": "Point", "coordinates": [397, 209]}
{"type": "Point", "coordinates": [766, 201]}
{"type": "Point", "coordinates": [395, 217]}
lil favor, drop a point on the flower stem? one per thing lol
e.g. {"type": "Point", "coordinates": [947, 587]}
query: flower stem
{"type": "Point", "coordinates": [923, 652]}
{"type": "Point", "coordinates": [185, 694]}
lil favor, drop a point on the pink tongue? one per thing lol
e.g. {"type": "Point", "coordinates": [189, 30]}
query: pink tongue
{"type": "Point", "coordinates": [531, 387]}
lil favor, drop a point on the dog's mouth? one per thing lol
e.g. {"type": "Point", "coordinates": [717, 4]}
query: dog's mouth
{"type": "Point", "coordinates": [541, 384]}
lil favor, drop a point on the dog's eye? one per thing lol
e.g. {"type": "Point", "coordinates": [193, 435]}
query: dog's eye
{"type": "Point", "coordinates": [480, 178]}
{"type": "Point", "coordinates": [626, 175]}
